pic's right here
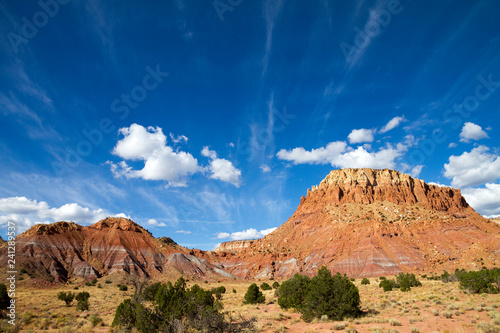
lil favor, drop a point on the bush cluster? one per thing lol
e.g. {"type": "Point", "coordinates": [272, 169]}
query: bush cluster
{"type": "Point", "coordinates": [478, 282]}
{"type": "Point", "coordinates": [404, 281]}
{"type": "Point", "coordinates": [323, 295]}
{"type": "Point", "coordinates": [174, 308]}
{"type": "Point", "coordinates": [265, 286]}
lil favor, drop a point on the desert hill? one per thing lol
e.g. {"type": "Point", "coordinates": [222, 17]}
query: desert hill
{"type": "Point", "coordinates": [366, 222]}
{"type": "Point", "coordinates": [61, 250]}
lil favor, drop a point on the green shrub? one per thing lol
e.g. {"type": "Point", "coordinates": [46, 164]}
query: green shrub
{"type": "Point", "coordinates": [220, 290]}
{"type": "Point", "coordinates": [4, 297]}
{"type": "Point", "coordinates": [67, 297]}
{"type": "Point", "coordinates": [123, 288]}
{"type": "Point", "coordinates": [265, 286]}
{"type": "Point", "coordinates": [292, 292]}
{"type": "Point", "coordinates": [234, 291]}
{"type": "Point", "coordinates": [478, 282]}
{"type": "Point", "coordinates": [94, 281]}
{"type": "Point", "coordinates": [254, 295]}
{"type": "Point", "coordinates": [387, 285]}
{"type": "Point", "coordinates": [83, 301]}
{"type": "Point", "coordinates": [108, 282]}
{"type": "Point", "coordinates": [23, 271]}
{"type": "Point", "coordinates": [82, 305]}
{"type": "Point", "coordinates": [334, 297]}
{"type": "Point", "coordinates": [365, 281]}
{"type": "Point", "coordinates": [276, 285]}
{"type": "Point", "coordinates": [406, 281]}
{"type": "Point", "coordinates": [174, 308]}
{"type": "Point", "coordinates": [83, 296]}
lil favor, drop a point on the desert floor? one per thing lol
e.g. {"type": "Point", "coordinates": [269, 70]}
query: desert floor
{"type": "Point", "coordinates": [434, 307]}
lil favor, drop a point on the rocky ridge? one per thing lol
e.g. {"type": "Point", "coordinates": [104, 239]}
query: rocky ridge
{"type": "Point", "coordinates": [62, 250]}
{"type": "Point", "coordinates": [366, 222]}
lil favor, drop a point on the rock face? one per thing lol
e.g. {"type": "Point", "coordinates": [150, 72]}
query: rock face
{"type": "Point", "coordinates": [234, 246]}
{"type": "Point", "coordinates": [366, 222]}
{"type": "Point", "coordinates": [59, 251]}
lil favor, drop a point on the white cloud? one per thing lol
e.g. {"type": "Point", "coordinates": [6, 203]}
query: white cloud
{"type": "Point", "coordinates": [179, 138]}
{"type": "Point", "coordinates": [471, 131]}
{"type": "Point", "coordinates": [265, 168]}
{"type": "Point", "coordinates": [437, 184]}
{"type": "Point", "coordinates": [222, 235]}
{"type": "Point", "coordinates": [156, 223]}
{"type": "Point", "coordinates": [185, 232]}
{"type": "Point", "coordinates": [474, 168]}
{"type": "Point", "coordinates": [393, 123]}
{"type": "Point", "coordinates": [221, 168]}
{"type": "Point", "coordinates": [361, 158]}
{"type": "Point", "coordinates": [360, 136]}
{"type": "Point", "coordinates": [21, 205]}
{"type": "Point", "coordinates": [245, 234]}
{"type": "Point", "coordinates": [486, 200]}
{"type": "Point", "coordinates": [452, 145]}
{"type": "Point", "coordinates": [321, 155]}
{"type": "Point", "coordinates": [26, 213]}
{"type": "Point", "coordinates": [161, 162]}
{"type": "Point", "coordinates": [338, 154]}
{"type": "Point", "coordinates": [73, 212]}
{"type": "Point", "coordinates": [415, 172]}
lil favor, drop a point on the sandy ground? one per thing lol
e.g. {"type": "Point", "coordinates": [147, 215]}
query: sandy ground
{"type": "Point", "coordinates": [434, 307]}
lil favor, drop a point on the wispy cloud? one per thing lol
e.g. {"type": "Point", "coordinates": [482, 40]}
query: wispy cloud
{"type": "Point", "coordinates": [271, 11]}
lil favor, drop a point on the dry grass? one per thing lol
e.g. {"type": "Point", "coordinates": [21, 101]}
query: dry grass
{"type": "Point", "coordinates": [433, 307]}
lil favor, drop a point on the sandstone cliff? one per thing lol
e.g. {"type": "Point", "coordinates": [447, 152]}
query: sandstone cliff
{"type": "Point", "coordinates": [234, 246]}
{"type": "Point", "coordinates": [366, 222]}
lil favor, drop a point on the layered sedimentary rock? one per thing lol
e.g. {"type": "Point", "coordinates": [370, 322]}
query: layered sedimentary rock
{"type": "Point", "coordinates": [234, 246]}
{"type": "Point", "coordinates": [366, 222]}
{"type": "Point", "coordinates": [59, 251]}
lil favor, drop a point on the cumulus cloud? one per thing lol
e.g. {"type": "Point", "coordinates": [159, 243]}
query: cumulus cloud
{"type": "Point", "coordinates": [245, 234]}
{"type": "Point", "coordinates": [161, 162]}
{"type": "Point", "coordinates": [338, 154]}
{"type": "Point", "coordinates": [473, 168]}
{"type": "Point", "coordinates": [21, 205]}
{"type": "Point", "coordinates": [156, 223]}
{"type": "Point", "coordinates": [485, 200]}
{"type": "Point", "coordinates": [471, 131]}
{"type": "Point", "coordinates": [221, 168]}
{"type": "Point", "coordinates": [25, 213]}
{"type": "Point", "coordinates": [393, 123]}
{"type": "Point", "coordinates": [321, 155]}
{"type": "Point", "coordinates": [360, 136]}
{"type": "Point", "coordinates": [73, 212]}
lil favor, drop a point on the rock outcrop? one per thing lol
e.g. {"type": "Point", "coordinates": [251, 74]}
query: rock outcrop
{"type": "Point", "coordinates": [234, 246]}
{"type": "Point", "coordinates": [61, 250]}
{"type": "Point", "coordinates": [366, 222]}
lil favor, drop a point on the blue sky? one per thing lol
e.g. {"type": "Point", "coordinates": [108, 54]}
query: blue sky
{"type": "Point", "coordinates": [207, 121]}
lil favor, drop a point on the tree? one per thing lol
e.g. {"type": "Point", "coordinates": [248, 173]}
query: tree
{"type": "Point", "coordinates": [4, 297]}
{"type": "Point", "coordinates": [174, 308]}
{"type": "Point", "coordinates": [67, 297]}
{"type": "Point", "coordinates": [276, 285]}
{"type": "Point", "coordinates": [335, 296]}
{"type": "Point", "coordinates": [254, 295]}
{"type": "Point", "coordinates": [292, 292]}
{"type": "Point", "coordinates": [365, 281]}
